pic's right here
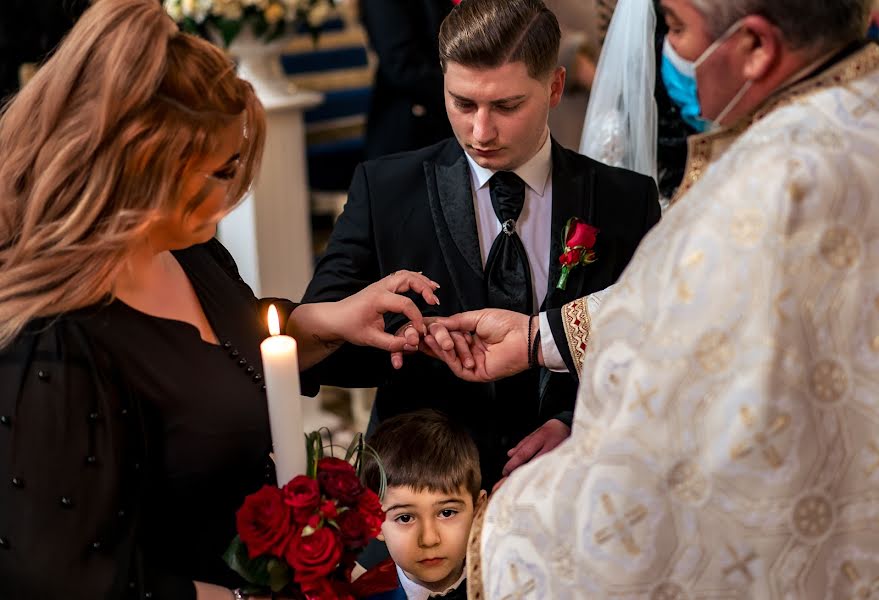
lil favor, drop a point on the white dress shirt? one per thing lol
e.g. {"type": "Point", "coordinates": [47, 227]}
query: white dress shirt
{"type": "Point", "coordinates": [534, 227]}
{"type": "Point", "coordinates": [415, 591]}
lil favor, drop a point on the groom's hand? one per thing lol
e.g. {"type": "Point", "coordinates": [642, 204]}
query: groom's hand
{"type": "Point", "coordinates": [450, 343]}
{"type": "Point", "coordinates": [547, 437]}
{"type": "Point", "coordinates": [498, 345]}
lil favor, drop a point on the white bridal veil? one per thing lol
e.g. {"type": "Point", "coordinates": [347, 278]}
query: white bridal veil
{"type": "Point", "coordinates": [620, 126]}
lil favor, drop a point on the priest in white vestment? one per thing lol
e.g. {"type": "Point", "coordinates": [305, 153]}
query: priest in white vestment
{"type": "Point", "coordinates": [726, 437]}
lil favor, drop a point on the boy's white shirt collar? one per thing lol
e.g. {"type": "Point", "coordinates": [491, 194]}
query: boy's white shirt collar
{"type": "Point", "coordinates": [535, 172]}
{"type": "Point", "coordinates": [416, 591]}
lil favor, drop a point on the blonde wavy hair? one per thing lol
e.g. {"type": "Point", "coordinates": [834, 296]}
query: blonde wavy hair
{"type": "Point", "coordinates": [98, 144]}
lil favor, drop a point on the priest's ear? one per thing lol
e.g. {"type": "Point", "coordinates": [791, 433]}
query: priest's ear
{"type": "Point", "coordinates": [763, 46]}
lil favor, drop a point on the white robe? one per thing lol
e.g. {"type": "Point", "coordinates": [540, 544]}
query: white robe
{"type": "Point", "coordinates": [726, 440]}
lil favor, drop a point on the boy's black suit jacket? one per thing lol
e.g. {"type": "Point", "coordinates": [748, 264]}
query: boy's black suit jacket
{"type": "Point", "coordinates": [415, 211]}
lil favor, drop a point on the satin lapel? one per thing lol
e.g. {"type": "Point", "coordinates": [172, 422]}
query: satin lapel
{"type": "Point", "coordinates": [572, 190]}
{"type": "Point", "coordinates": [451, 207]}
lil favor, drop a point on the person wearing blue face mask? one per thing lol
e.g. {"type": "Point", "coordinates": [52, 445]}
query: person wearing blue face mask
{"type": "Point", "coordinates": [724, 439]}
{"type": "Point", "coordinates": [679, 76]}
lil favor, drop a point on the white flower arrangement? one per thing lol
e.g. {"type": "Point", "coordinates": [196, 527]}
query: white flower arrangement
{"type": "Point", "coordinates": [268, 19]}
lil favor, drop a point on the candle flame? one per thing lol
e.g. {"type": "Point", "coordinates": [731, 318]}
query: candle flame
{"type": "Point", "coordinates": [274, 321]}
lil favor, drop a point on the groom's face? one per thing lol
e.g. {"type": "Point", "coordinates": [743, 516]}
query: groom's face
{"type": "Point", "coordinates": [499, 115]}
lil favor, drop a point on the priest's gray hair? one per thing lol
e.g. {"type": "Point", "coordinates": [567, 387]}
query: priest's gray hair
{"type": "Point", "coordinates": [805, 24]}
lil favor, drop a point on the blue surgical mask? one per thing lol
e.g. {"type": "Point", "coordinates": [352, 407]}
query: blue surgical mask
{"type": "Point", "coordinates": [679, 76]}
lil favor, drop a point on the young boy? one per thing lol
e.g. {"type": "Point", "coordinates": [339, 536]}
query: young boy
{"type": "Point", "coordinates": [433, 490]}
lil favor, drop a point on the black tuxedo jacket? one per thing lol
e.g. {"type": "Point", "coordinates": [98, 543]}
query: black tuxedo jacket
{"type": "Point", "coordinates": [415, 211]}
{"type": "Point", "coordinates": [407, 110]}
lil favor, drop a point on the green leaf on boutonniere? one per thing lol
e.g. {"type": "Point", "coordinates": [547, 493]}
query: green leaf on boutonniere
{"type": "Point", "coordinates": [563, 279]}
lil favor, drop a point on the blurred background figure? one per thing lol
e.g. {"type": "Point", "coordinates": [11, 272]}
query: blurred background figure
{"type": "Point", "coordinates": [407, 110]}
{"type": "Point", "coordinates": [578, 53]}
{"type": "Point", "coordinates": [671, 131]}
{"type": "Point", "coordinates": [29, 31]}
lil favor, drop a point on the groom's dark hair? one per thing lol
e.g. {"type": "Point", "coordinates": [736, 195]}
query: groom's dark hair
{"type": "Point", "coordinates": [491, 33]}
{"type": "Point", "coordinates": [424, 450]}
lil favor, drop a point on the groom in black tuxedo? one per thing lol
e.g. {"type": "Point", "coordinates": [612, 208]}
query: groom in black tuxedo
{"type": "Point", "coordinates": [483, 214]}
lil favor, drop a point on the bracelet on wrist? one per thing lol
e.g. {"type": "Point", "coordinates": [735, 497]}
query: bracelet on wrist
{"type": "Point", "coordinates": [534, 349]}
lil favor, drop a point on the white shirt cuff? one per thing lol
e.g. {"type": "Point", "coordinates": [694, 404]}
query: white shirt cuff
{"type": "Point", "coordinates": [552, 358]}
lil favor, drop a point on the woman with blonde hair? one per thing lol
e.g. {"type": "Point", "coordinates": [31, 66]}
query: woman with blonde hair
{"type": "Point", "coordinates": [133, 417]}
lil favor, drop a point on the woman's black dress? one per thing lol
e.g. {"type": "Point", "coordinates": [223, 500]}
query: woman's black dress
{"type": "Point", "coordinates": [127, 443]}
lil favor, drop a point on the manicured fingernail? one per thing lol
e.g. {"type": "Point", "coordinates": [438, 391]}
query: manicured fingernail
{"type": "Point", "coordinates": [468, 364]}
{"type": "Point", "coordinates": [437, 300]}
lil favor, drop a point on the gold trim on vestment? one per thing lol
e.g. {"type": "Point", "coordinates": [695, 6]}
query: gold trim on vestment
{"type": "Point", "coordinates": [474, 554]}
{"type": "Point", "coordinates": [703, 149]}
{"type": "Point", "coordinates": [577, 324]}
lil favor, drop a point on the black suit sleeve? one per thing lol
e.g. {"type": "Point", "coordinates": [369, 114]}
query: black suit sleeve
{"type": "Point", "coordinates": [650, 215]}
{"type": "Point", "coordinates": [70, 442]}
{"type": "Point", "coordinates": [349, 265]}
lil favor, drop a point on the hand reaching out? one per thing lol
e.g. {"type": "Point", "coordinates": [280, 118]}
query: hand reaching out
{"type": "Point", "coordinates": [454, 343]}
{"type": "Point", "coordinates": [496, 342]}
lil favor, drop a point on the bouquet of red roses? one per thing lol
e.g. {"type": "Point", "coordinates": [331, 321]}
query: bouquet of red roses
{"type": "Point", "coordinates": [303, 539]}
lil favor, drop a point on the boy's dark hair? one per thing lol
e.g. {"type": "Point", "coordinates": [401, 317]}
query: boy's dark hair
{"type": "Point", "coordinates": [491, 33]}
{"type": "Point", "coordinates": [423, 450]}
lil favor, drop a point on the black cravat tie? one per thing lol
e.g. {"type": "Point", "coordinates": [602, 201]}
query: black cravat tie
{"type": "Point", "coordinates": [507, 274]}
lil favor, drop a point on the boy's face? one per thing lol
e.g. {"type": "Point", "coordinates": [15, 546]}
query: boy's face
{"type": "Point", "coordinates": [499, 115]}
{"type": "Point", "coordinates": [426, 533]}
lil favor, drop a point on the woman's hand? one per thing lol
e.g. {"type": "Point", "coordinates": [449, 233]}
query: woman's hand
{"type": "Point", "coordinates": [360, 318]}
{"type": "Point", "coordinates": [322, 328]}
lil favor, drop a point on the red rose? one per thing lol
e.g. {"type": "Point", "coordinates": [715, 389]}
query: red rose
{"type": "Point", "coordinates": [302, 494]}
{"type": "Point", "coordinates": [338, 480]}
{"type": "Point", "coordinates": [313, 556]}
{"type": "Point", "coordinates": [318, 589]}
{"type": "Point", "coordinates": [580, 234]}
{"type": "Point", "coordinates": [264, 522]}
{"type": "Point", "coordinates": [371, 508]}
{"type": "Point", "coordinates": [328, 510]}
{"type": "Point", "coordinates": [571, 258]}
{"type": "Point", "coordinates": [354, 529]}
{"type": "Point", "coordinates": [323, 589]}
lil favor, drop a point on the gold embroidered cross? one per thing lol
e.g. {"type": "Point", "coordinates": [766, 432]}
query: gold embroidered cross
{"type": "Point", "coordinates": [643, 401]}
{"type": "Point", "coordinates": [862, 589]}
{"type": "Point", "coordinates": [874, 448]}
{"type": "Point", "coordinates": [521, 590]}
{"type": "Point", "coordinates": [621, 526]}
{"type": "Point", "coordinates": [740, 564]}
{"type": "Point", "coordinates": [762, 440]}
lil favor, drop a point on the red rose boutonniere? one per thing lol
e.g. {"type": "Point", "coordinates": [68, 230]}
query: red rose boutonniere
{"type": "Point", "coordinates": [579, 242]}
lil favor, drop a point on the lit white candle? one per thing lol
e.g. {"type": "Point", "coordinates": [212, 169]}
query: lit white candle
{"type": "Point", "coordinates": [281, 372]}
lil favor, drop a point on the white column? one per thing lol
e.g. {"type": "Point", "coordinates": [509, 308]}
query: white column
{"type": "Point", "coordinates": [269, 234]}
